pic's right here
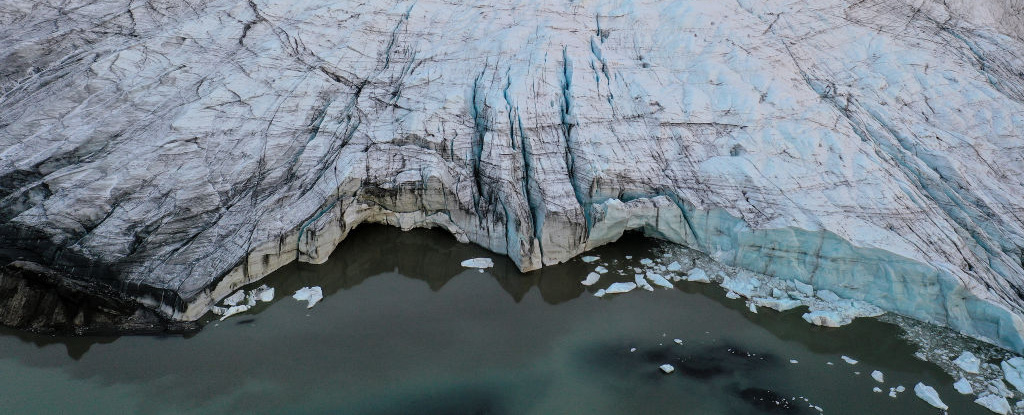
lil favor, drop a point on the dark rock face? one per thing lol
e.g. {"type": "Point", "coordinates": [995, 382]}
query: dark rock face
{"type": "Point", "coordinates": [172, 151]}
{"type": "Point", "coordinates": [41, 300]}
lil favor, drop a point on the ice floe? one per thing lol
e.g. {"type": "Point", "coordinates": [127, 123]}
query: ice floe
{"type": "Point", "coordinates": [997, 404]}
{"type": "Point", "coordinates": [659, 280]}
{"type": "Point", "coordinates": [968, 362]}
{"type": "Point", "coordinates": [849, 359]}
{"type": "Point", "coordinates": [1013, 372]}
{"type": "Point", "coordinates": [620, 287]}
{"type": "Point", "coordinates": [592, 279]}
{"type": "Point", "coordinates": [311, 295]}
{"type": "Point", "coordinates": [963, 386]}
{"type": "Point", "coordinates": [478, 263]}
{"type": "Point", "coordinates": [928, 394]}
{"type": "Point", "coordinates": [641, 282]}
{"type": "Point", "coordinates": [589, 259]}
{"type": "Point", "coordinates": [667, 368]}
{"type": "Point", "coordinates": [878, 376]}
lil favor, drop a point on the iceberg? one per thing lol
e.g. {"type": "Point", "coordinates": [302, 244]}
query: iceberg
{"type": "Point", "coordinates": [878, 376]}
{"type": "Point", "coordinates": [478, 263]}
{"type": "Point", "coordinates": [928, 394]}
{"type": "Point", "coordinates": [1013, 372]}
{"type": "Point", "coordinates": [311, 295]}
{"type": "Point", "coordinates": [620, 287]}
{"type": "Point", "coordinates": [968, 362]}
{"type": "Point", "coordinates": [996, 404]}
{"type": "Point", "coordinates": [591, 279]}
{"type": "Point", "coordinates": [963, 386]}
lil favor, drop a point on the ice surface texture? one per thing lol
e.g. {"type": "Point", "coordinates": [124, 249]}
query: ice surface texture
{"type": "Point", "coordinates": [178, 150]}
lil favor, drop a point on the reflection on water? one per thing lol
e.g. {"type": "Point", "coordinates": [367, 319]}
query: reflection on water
{"type": "Point", "coordinates": [405, 329]}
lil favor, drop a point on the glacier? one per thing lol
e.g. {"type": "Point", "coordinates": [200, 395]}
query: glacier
{"type": "Point", "coordinates": [176, 151]}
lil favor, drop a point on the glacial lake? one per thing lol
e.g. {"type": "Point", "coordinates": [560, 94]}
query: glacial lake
{"type": "Point", "coordinates": [404, 329]}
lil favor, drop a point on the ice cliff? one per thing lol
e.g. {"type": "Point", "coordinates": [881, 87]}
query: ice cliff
{"type": "Point", "coordinates": [174, 150]}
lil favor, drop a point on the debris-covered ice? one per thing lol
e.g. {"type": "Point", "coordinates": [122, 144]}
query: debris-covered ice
{"type": "Point", "coordinates": [312, 295]}
{"type": "Point", "coordinates": [478, 263]}
{"type": "Point", "coordinates": [928, 394]}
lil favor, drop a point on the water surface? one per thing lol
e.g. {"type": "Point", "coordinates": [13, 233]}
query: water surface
{"type": "Point", "coordinates": [404, 329]}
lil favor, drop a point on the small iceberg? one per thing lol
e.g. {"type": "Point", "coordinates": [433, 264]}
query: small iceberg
{"type": "Point", "coordinates": [589, 259]}
{"type": "Point", "coordinates": [928, 394]}
{"type": "Point", "coordinates": [1013, 371]}
{"type": "Point", "coordinates": [235, 299]}
{"type": "Point", "coordinates": [698, 275]}
{"type": "Point", "coordinates": [641, 282]}
{"type": "Point", "coordinates": [963, 386]}
{"type": "Point", "coordinates": [592, 279]}
{"type": "Point", "coordinates": [848, 359]}
{"type": "Point", "coordinates": [968, 362]}
{"type": "Point", "coordinates": [312, 295]}
{"type": "Point", "coordinates": [667, 368]}
{"type": "Point", "coordinates": [878, 376]}
{"type": "Point", "coordinates": [480, 263]}
{"type": "Point", "coordinates": [658, 280]}
{"type": "Point", "coordinates": [620, 287]}
{"type": "Point", "coordinates": [675, 267]}
{"type": "Point", "coordinates": [876, 389]}
{"type": "Point", "coordinates": [601, 270]}
{"type": "Point", "coordinates": [997, 404]}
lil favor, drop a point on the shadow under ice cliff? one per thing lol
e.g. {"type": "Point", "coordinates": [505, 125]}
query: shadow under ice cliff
{"type": "Point", "coordinates": [168, 152]}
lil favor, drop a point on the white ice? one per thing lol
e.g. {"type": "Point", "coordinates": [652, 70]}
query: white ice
{"type": "Point", "coordinates": [312, 295]}
{"type": "Point", "coordinates": [878, 376]}
{"type": "Point", "coordinates": [592, 279]}
{"type": "Point", "coordinates": [928, 394]}
{"type": "Point", "coordinates": [997, 404]}
{"type": "Point", "coordinates": [478, 263]}
{"type": "Point", "coordinates": [963, 386]}
{"type": "Point", "coordinates": [667, 368]}
{"type": "Point", "coordinates": [1013, 371]}
{"type": "Point", "coordinates": [968, 362]}
{"type": "Point", "coordinates": [620, 287]}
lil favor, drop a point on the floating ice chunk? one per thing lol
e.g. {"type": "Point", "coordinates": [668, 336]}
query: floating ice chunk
{"type": "Point", "coordinates": [478, 263]}
{"type": "Point", "coordinates": [777, 293]}
{"type": "Point", "coordinates": [591, 279]}
{"type": "Point", "coordinates": [794, 361]}
{"type": "Point", "coordinates": [752, 307]}
{"type": "Point", "coordinates": [589, 259]}
{"type": "Point", "coordinates": [262, 293]}
{"type": "Point", "coordinates": [235, 310]}
{"type": "Point", "coordinates": [620, 287]}
{"type": "Point", "coordinates": [1013, 371]}
{"type": "Point", "coordinates": [963, 386]}
{"type": "Point", "coordinates": [849, 359]}
{"type": "Point", "coordinates": [878, 376]}
{"type": "Point", "coordinates": [632, 349]}
{"type": "Point", "coordinates": [600, 269]}
{"type": "Point", "coordinates": [667, 368]}
{"type": "Point", "coordinates": [998, 387]}
{"type": "Point", "coordinates": [629, 257]}
{"type": "Point", "coordinates": [658, 280]}
{"type": "Point", "coordinates": [697, 275]}
{"type": "Point", "coordinates": [311, 295]}
{"type": "Point", "coordinates": [742, 285]}
{"type": "Point", "coordinates": [732, 295]}
{"type": "Point", "coordinates": [901, 389]}
{"type": "Point", "coordinates": [826, 318]}
{"type": "Point", "coordinates": [235, 299]}
{"type": "Point", "coordinates": [647, 261]}
{"type": "Point", "coordinates": [777, 304]}
{"type": "Point", "coordinates": [678, 341]}
{"type": "Point", "coordinates": [928, 394]}
{"type": "Point", "coordinates": [997, 404]}
{"type": "Point", "coordinates": [968, 362]}
{"type": "Point", "coordinates": [600, 293]}
{"type": "Point", "coordinates": [876, 389]}
{"type": "Point", "coordinates": [642, 282]}
{"type": "Point", "coordinates": [892, 392]}
{"type": "Point", "coordinates": [675, 267]}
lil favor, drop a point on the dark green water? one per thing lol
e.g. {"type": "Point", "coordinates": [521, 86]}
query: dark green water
{"type": "Point", "coordinates": [404, 329]}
